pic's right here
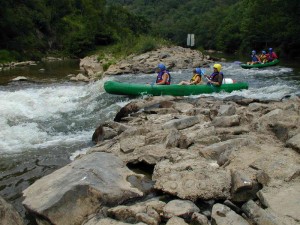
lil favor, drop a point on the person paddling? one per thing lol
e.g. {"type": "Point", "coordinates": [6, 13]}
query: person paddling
{"type": "Point", "coordinates": [216, 78]}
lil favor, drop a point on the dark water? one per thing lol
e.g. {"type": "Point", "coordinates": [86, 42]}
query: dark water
{"type": "Point", "coordinates": [45, 123]}
{"type": "Point", "coordinates": [55, 71]}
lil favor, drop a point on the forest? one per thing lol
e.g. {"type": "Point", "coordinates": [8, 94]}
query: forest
{"type": "Point", "coordinates": [33, 28]}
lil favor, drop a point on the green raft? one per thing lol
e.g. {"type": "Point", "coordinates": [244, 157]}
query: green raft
{"type": "Point", "coordinates": [260, 65]}
{"type": "Point", "coordinates": [120, 88]}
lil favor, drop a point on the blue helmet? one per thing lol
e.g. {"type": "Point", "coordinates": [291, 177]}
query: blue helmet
{"type": "Point", "coordinates": [263, 52]}
{"type": "Point", "coordinates": [161, 66]}
{"type": "Point", "coordinates": [198, 71]}
{"type": "Point", "coordinates": [270, 49]}
{"type": "Point", "coordinates": [253, 52]}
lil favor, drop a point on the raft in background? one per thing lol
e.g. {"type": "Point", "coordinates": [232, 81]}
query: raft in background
{"type": "Point", "coordinates": [260, 65]}
{"type": "Point", "coordinates": [121, 88]}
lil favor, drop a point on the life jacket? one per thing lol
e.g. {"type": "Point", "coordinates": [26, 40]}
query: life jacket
{"type": "Point", "coordinates": [263, 56]}
{"type": "Point", "coordinates": [254, 58]}
{"type": "Point", "coordinates": [160, 77]}
{"type": "Point", "coordinates": [213, 76]}
{"type": "Point", "coordinates": [272, 56]}
{"type": "Point", "coordinates": [195, 76]}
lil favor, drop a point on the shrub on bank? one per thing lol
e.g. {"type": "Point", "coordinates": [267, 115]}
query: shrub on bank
{"type": "Point", "coordinates": [8, 56]}
{"type": "Point", "coordinates": [132, 45]}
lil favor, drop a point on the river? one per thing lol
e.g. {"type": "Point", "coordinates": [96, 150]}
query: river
{"type": "Point", "coordinates": [46, 122]}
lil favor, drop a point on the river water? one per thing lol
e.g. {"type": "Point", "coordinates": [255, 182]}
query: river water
{"type": "Point", "coordinates": [46, 122]}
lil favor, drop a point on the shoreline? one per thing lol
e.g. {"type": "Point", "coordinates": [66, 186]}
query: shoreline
{"type": "Point", "coordinates": [221, 142]}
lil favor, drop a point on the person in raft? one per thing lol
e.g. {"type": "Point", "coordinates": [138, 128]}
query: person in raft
{"type": "Point", "coordinates": [196, 79]}
{"type": "Point", "coordinates": [263, 57]}
{"type": "Point", "coordinates": [216, 78]}
{"type": "Point", "coordinates": [271, 55]}
{"type": "Point", "coordinates": [254, 58]}
{"type": "Point", "coordinates": [163, 75]}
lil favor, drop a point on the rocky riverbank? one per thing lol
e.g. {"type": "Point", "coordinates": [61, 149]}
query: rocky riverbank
{"type": "Point", "coordinates": [212, 161]}
{"type": "Point", "coordinates": [174, 58]}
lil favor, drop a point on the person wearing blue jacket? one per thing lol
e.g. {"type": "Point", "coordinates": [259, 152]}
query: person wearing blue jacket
{"type": "Point", "coordinates": [254, 58]}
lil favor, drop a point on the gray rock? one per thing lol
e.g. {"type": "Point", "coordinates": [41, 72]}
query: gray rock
{"type": "Point", "coordinates": [223, 215]}
{"type": "Point", "coordinates": [176, 221]}
{"type": "Point", "coordinates": [181, 208]}
{"type": "Point", "coordinates": [215, 150]}
{"type": "Point", "coordinates": [9, 215]}
{"type": "Point", "coordinates": [79, 189]}
{"type": "Point", "coordinates": [192, 179]}
{"type": "Point", "coordinates": [294, 142]}
{"type": "Point", "coordinates": [147, 212]}
{"type": "Point", "coordinates": [199, 219]}
{"type": "Point", "coordinates": [284, 199]}
{"type": "Point", "coordinates": [20, 78]}
{"type": "Point", "coordinates": [227, 110]}
{"type": "Point", "coordinates": [108, 221]}
{"type": "Point", "coordinates": [182, 123]}
{"type": "Point", "coordinates": [258, 215]}
{"type": "Point", "coordinates": [226, 121]}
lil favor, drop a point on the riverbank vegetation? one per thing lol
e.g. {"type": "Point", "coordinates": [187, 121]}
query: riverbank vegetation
{"type": "Point", "coordinates": [34, 28]}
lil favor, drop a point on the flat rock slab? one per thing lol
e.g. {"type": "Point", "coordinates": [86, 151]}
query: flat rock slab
{"type": "Point", "coordinates": [192, 179]}
{"type": "Point", "coordinates": [284, 200]}
{"type": "Point", "coordinates": [79, 189]}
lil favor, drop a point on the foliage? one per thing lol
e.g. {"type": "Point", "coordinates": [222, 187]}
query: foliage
{"type": "Point", "coordinates": [8, 56]}
{"type": "Point", "coordinates": [132, 45]}
{"type": "Point", "coordinates": [76, 27]}
{"type": "Point", "coordinates": [228, 25]}
{"type": "Point", "coordinates": [35, 27]}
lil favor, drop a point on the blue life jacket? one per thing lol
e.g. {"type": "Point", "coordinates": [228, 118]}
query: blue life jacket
{"type": "Point", "coordinates": [213, 76]}
{"type": "Point", "coordinates": [254, 58]}
{"type": "Point", "coordinates": [160, 77]}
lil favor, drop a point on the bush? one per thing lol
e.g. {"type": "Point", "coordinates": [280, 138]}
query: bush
{"type": "Point", "coordinates": [8, 56]}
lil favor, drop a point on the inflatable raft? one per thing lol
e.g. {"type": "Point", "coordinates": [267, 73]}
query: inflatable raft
{"type": "Point", "coordinates": [260, 65]}
{"type": "Point", "coordinates": [120, 88]}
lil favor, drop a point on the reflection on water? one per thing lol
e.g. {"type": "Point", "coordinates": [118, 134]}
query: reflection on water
{"type": "Point", "coordinates": [42, 72]}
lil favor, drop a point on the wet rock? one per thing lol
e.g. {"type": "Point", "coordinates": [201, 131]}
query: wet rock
{"type": "Point", "coordinates": [9, 215]}
{"type": "Point", "coordinates": [20, 78]}
{"type": "Point", "coordinates": [80, 77]}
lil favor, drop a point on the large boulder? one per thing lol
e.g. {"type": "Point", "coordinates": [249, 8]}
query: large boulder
{"type": "Point", "coordinates": [79, 189]}
{"type": "Point", "coordinates": [8, 214]}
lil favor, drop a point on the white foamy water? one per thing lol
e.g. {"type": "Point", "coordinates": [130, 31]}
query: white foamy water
{"type": "Point", "coordinates": [46, 117]}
